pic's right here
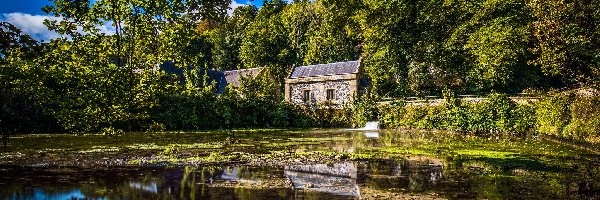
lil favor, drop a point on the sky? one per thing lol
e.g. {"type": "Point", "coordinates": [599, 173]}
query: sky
{"type": "Point", "coordinates": [29, 17]}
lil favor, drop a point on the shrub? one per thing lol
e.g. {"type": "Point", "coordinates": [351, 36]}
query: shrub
{"type": "Point", "coordinates": [112, 131]}
{"type": "Point", "coordinates": [414, 117]}
{"type": "Point", "coordinates": [209, 111]}
{"type": "Point", "coordinates": [390, 114]}
{"type": "Point", "coordinates": [553, 114]}
{"type": "Point", "coordinates": [281, 116]}
{"type": "Point", "coordinates": [480, 118]}
{"type": "Point", "coordinates": [523, 119]}
{"type": "Point", "coordinates": [497, 114]}
{"type": "Point", "coordinates": [501, 109]}
{"type": "Point", "coordinates": [156, 127]}
{"type": "Point", "coordinates": [561, 114]}
{"type": "Point", "coordinates": [585, 118]}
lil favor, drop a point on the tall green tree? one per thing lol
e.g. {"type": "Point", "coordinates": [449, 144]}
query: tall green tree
{"type": "Point", "coordinates": [299, 19]}
{"type": "Point", "coordinates": [386, 27]}
{"type": "Point", "coordinates": [333, 38]}
{"type": "Point", "coordinates": [497, 45]}
{"type": "Point", "coordinates": [21, 86]}
{"type": "Point", "coordinates": [266, 42]}
{"type": "Point", "coordinates": [228, 37]}
{"type": "Point", "coordinates": [103, 80]}
{"type": "Point", "coordinates": [566, 39]}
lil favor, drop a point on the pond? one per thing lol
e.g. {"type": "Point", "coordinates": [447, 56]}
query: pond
{"type": "Point", "coordinates": [296, 164]}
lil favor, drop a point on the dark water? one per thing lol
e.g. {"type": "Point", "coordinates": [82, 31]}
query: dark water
{"type": "Point", "coordinates": [349, 180]}
{"type": "Point", "coordinates": [443, 168]}
{"type": "Point", "coordinates": [318, 181]}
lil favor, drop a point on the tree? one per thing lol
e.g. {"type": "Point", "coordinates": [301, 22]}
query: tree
{"type": "Point", "coordinates": [266, 42]}
{"type": "Point", "coordinates": [299, 19]}
{"type": "Point", "coordinates": [105, 80]}
{"type": "Point", "coordinates": [386, 27]}
{"type": "Point", "coordinates": [498, 39]}
{"type": "Point", "coordinates": [228, 37]}
{"type": "Point", "coordinates": [21, 88]}
{"type": "Point", "coordinates": [333, 38]}
{"type": "Point", "coordinates": [566, 39]}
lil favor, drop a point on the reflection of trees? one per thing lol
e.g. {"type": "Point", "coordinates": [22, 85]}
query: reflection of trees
{"type": "Point", "coordinates": [422, 177]}
{"type": "Point", "coordinates": [188, 182]}
{"type": "Point", "coordinates": [415, 176]}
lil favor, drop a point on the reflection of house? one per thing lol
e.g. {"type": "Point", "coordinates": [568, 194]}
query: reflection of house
{"type": "Point", "coordinates": [337, 83]}
{"type": "Point", "coordinates": [337, 179]}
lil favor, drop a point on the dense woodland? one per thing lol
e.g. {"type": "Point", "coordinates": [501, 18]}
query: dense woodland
{"type": "Point", "coordinates": [89, 80]}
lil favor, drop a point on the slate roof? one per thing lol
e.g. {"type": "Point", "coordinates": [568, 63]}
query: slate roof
{"type": "Point", "coordinates": [234, 76]}
{"type": "Point", "coordinates": [220, 78]}
{"type": "Point", "coordinates": [171, 68]}
{"type": "Point", "coordinates": [214, 76]}
{"type": "Point", "coordinates": [339, 68]}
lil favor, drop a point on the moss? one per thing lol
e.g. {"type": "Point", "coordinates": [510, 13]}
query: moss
{"type": "Point", "coordinates": [134, 162]}
{"type": "Point", "coordinates": [295, 146]}
{"type": "Point", "coordinates": [486, 153]}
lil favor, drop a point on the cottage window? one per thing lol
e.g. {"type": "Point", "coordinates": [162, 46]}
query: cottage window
{"type": "Point", "coordinates": [330, 94]}
{"type": "Point", "coordinates": [306, 96]}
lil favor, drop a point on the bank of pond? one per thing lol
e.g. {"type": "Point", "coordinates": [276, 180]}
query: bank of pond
{"type": "Point", "coordinates": [570, 115]}
{"type": "Point", "coordinates": [296, 164]}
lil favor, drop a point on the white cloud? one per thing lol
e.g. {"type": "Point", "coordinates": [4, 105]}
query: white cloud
{"type": "Point", "coordinates": [108, 28]}
{"type": "Point", "coordinates": [32, 24]}
{"type": "Point", "coordinates": [234, 4]}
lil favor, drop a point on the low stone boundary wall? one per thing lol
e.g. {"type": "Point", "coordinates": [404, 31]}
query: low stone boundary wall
{"type": "Point", "coordinates": [470, 98]}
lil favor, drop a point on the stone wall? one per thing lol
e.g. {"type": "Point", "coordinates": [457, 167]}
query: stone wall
{"type": "Point", "coordinates": [343, 92]}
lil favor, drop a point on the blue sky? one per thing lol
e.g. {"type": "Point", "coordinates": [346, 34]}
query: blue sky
{"type": "Point", "coordinates": [27, 15]}
{"type": "Point", "coordinates": [23, 6]}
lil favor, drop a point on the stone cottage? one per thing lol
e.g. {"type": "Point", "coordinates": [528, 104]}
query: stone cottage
{"type": "Point", "coordinates": [335, 83]}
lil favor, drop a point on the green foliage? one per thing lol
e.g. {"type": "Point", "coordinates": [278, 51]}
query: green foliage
{"type": "Point", "coordinates": [228, 37]}
{"type": "Point", "coordinates": [585, 122]}
{"type": "Point", "coordinates": [566, 33]}
{"type": "Point", "coordinates": [552, 113]}
{"type": "Point", "coordinates": [363, 110]}
{"type": "Point", "coordinates": [497, 113]}
{"type": "Point", "coordinates": [563, 115]}
{"type": "Point", "coordinates": [207, 111]}
{"type": "Point", "coordinates": [570, 116]}
{"type": "Point", "coordinates": [265, 41]}
{"type": "Point", "coordinates": [88, 80]}
{"type": "Point", "coordinates": [170, 151]}
{"type": "Point", "coordinates": [111, 131]}
{"type": "Point", "coordinates": [390, 115]}
{"type": "Point", "coordinates": [23, 95]}
{"type": "Point", "coordinates": [156, 127]}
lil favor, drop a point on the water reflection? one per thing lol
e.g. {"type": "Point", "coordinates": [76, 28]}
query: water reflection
{"type": "Point", "coordinates": [452, 176]}
{"type": "Point", "coordinates": [408, 175]}
{"type": "Point", "coordinates": [41, 194]}
{"type": "Point", "coordinates": [372, 134]}
{"type": "Point", "coordinates": [150, 187]}
{"type": "Point", "coordinates": [337, 179]}
{"type": "Point", "coordinates": [317, 181]}
{"type": "Point", "coordinates": [346, 180]}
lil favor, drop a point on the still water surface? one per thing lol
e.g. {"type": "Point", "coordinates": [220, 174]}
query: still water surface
{"type": "Point", "coordinates": [317, 181]}
{"type": "Point", "coordinates": [429, 167]}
